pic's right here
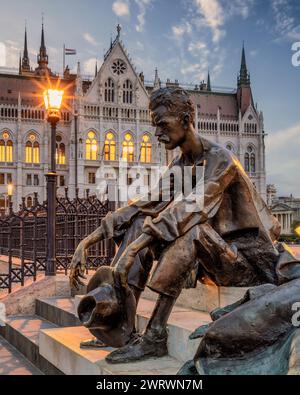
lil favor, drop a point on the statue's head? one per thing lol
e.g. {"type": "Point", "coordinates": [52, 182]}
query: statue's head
{"type": "Point", "coordinates": [173, 115]}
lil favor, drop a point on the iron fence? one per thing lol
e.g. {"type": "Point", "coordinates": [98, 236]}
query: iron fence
{"type": "Point", "coordinates": [23, 237]}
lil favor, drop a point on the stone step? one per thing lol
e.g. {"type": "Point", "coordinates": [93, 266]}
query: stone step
{"type": "Point", "coordinates": [22, 332]}
{"type": "Point", "coordinates": [59, 311]}
{"type": "Point", "coordinates": [12, 363]}
{"type": "Point", "coordinates": [60, 346]}
{"type": "Point", "coordinates": [183, 321]}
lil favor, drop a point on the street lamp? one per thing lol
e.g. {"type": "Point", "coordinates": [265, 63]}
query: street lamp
{"type": "Point", "coordinates": [53, 100]}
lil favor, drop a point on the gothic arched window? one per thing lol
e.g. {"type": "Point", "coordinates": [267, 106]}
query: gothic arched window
{"type": "Point", "coordinates": [247, 162]}
{"type": "Point", "coordinates": [32, 150]}
{"type": "Point", "coordinates": [128, 148]}
{"type": "Point", "coordinates": [146, 149]}
{"type": "Point", "coordinates": [127, 92]}
{"type": "Point", "coordinates": [91, 146]}
{"type": "Point", "coordinates": [6, 148]}
{"type": "Point", "coordinates": [252, 163]}
{"type": "Point", "coordinates": [60, 151]}
{"type": "Point", "coordinates": [109, 93]}
{"type": "Point", "coordinates": [110, 147]}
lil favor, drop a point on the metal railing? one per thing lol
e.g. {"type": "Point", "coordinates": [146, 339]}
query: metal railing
{"type": "Point", "coordinates": [23, 237]}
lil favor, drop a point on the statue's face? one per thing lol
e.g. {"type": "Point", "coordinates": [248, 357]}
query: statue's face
{"type": "Point", "coordinates": [169, 128]}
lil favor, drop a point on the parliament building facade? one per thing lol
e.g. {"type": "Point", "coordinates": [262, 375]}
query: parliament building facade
{"type": "Point", "coordinates": [107, 119]}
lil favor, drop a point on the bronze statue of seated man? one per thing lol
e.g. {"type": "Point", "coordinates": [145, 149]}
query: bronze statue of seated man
{"type": "Point", "coordinates": [230, 237]}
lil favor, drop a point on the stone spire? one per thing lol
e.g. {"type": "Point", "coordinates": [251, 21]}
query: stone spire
{"type": "Point", "coordinates": [244, 76]}
{"type": "Point", "coordinates": [208, 85]}
{"type": "Point", "coordinates": [157, 83]}
{"type": "Point", "coordinates": [244, 92]}
{"type": "Point", "coordinates": [96, 68]}
{"type": "Point", "coordinates": [42, 56]}
{"type": "Point", "coordinates": [25, 58]}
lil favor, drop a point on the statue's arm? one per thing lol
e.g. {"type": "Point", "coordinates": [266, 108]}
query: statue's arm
{"type": "Point", "coordinates": [114, 224]}
{"type": "Point", "coordinates": [127, 258]}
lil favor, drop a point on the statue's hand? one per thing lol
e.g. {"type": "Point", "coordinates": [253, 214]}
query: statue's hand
{"type": "Point", "coordinates": [78, 266]}
{"type": "Point", "coordinates": [124, 264]}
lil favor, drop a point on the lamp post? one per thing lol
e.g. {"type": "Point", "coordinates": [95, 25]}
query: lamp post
{"type": "Point", "coordinates": [53, 101]}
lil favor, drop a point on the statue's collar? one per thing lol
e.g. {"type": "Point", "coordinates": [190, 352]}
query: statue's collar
{"type": "Point", "coordinates": [199, 161]}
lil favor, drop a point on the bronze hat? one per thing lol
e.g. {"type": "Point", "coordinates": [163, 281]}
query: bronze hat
{"type": "Point", "coordinates": [108, 309]}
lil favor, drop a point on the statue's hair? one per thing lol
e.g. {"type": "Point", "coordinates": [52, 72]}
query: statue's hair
{"type": "Point", "coordinates": [175, 99]}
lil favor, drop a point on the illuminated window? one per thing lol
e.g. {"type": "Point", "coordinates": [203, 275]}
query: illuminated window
{"type": "Point", "coordinates": [128, 148]}
{"type": "Point", "coordinates": [6, 148]}
{"type": "Point", "coordinates": [109, 93]}
{"type": "Point", "coordinates": [32, 150]}
{"type": "Point", "coordinates": [146, 149]}
{"type": "Point", "coordinates": [110, 147]}
{"type": "Point", "coordinates": [60, 153]}
{"type": "Point", "coordinates": [127, 92]}
{"type": "Point", "coordinates": [91, 147]}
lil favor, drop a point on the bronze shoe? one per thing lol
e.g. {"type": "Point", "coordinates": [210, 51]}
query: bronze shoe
{"type": "Point", "coordinates": [149, 345]}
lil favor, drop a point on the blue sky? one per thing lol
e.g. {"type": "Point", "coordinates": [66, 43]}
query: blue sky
{"type": "Point", "coordinates": [183, 39]}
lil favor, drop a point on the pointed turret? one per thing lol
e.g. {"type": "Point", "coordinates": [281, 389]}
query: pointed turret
{"type": "Point", "coordinates": [42, 56]}
{"type": "Point", "coordinates": [244, 93]}
{"type": "Point", "coordinates": [25, 58]}
{"type": "Point", "coordinates": [157, 83]}
{"type": "Point", "coordinates": [244, 76]}
{"type": "Point", "coordinates": [96, 69]}
{"type": "Point", "coordinates": [208, 85]}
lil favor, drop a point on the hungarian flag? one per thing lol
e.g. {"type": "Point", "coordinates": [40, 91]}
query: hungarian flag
{"type": "Point", "coordinates": [69, 51]}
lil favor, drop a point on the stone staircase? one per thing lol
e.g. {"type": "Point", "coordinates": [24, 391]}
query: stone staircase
{"type": "Point", "coordinates": [48, 341]}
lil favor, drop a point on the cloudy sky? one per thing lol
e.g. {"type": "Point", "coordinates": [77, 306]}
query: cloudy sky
{"type": "Point", "coordinates": [183, 39]}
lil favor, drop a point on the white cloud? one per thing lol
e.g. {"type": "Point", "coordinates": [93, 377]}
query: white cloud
{"type": "Point", "coordinates": [198, 46]}
{"type": "Point", "coordinates": [283, 160]}
{"type": "Point", "coordinates": [142, 5]}
{"type": "Point", "coordinates": [179, 30]}
{"type": "Point", "coordinates": [121, 8]}
{"type": "Point", "coordinates": [89, 66]}
{"type": "Point", "coordinates": [285, 25]}
{"type": "Point", "coordinates": [213, 16]}
{"type": "Point", "coordinates": [90, 39]}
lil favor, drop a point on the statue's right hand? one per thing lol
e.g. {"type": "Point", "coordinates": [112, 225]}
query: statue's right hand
{"type": "Point", "coordinates": [78, 266]}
